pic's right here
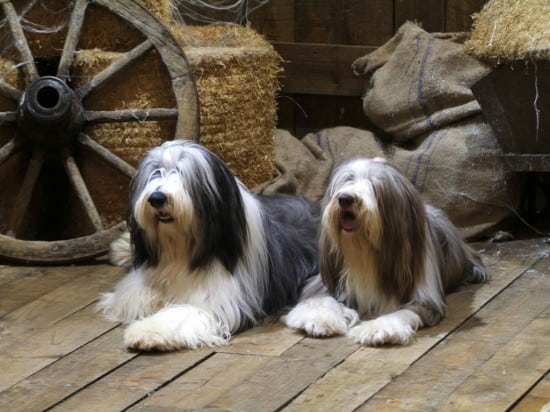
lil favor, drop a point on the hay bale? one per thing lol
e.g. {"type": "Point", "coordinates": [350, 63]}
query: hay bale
{"type": "Point", "coordinates": [508, 30]}
{"type": "Point", "coordinates": [45, 25]}
{"type": "Point", "coordinates": [236, 72]}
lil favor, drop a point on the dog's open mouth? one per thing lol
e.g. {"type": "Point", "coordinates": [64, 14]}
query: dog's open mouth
{"type": "Point", "coordinates": [164, 217]}
{"type": "Point", "coordinates": [347, 221]}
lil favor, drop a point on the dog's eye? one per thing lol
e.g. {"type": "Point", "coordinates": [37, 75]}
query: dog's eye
{"type": "Point", "coordinates": [157, 174]}
{"type": "Point", "coordinates": [172, 173]}
{"type": "Point", "coordinates": [348, 178]}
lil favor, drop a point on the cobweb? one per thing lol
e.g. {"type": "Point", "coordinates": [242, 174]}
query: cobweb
{"type": "Point", "coordinates": [216, 11]}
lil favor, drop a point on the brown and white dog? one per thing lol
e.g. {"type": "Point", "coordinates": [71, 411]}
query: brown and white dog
{"type": "Point", "coordinates": [386, 258]}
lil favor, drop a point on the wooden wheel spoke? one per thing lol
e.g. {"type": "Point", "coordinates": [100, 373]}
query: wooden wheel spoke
{"type": "Point", "coordinates": [19, 209]}
{"type": "Point", "coordinates": [130, 115]}
{"type": "Point", "coordinates": [8, 150]}
{"type": "Point", "coordinates": [9, 91]}
{"type": "Point", "coordinates": [20, 40]}
{"type": "Point", "coordinates": [119, 64]}
{"type": "Point", "coordinates": [106, 155]}
{"type": "Point", "coordinates": [73, 35]}
{"type": "Point", "coordinates": [82, 191]}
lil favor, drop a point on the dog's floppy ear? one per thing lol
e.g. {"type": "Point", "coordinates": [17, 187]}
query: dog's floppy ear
{"type": "Point", "coordinates": [330, 262]}
{"type": "Point", "coordinates": [224, 230]}
{"type": "Point", "coordinates": [403, 222]}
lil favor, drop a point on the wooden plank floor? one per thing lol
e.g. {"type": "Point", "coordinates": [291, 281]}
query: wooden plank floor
{"type": "Point", "coordinates": [492, 352]}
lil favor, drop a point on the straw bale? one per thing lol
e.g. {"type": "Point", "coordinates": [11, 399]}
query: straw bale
{"type": "Point", "coordinates": [236, 72]}
{"type": "Point", "coordinates": [507, 30]}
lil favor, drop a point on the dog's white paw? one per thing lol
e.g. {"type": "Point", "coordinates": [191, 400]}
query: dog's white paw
{"type": "Point", "coordinates": [396, 328]}
{"type": "Point", "coordinates": [176, 327]}
{"type": "Point", "coordinates": [321, 316]}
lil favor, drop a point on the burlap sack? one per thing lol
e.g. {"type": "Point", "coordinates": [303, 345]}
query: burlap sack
{"type": "Point", "coordinates": [458, 169]}
{"type": "Point", "coordinates": [418, 82]}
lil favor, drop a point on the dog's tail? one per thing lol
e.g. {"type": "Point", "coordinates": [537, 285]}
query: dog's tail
{"type": "Point", "coordinates": [120, 251]}
{"type": "Point", "coordinates": [459, 261]}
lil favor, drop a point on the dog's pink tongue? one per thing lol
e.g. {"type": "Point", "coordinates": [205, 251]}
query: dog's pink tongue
{"type": "Point", "coordinates": [347, 223]}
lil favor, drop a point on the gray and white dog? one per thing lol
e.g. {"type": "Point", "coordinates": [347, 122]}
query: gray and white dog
{"type": "Point", "coordinates": [209, 258]}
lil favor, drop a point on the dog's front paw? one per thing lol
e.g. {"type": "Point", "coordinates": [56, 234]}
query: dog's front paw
{"type": "Point", "coordinates": [145, 335]}
{"type": "Point", "coordinates": [175, 328]}
{"type": "Point", "coordinates": [396, 328]}
{"type": "Point", "coordinates": [321, 316]}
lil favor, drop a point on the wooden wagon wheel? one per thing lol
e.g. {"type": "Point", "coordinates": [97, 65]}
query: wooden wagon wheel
{"type": "Point", "coordinates": [51, 114]}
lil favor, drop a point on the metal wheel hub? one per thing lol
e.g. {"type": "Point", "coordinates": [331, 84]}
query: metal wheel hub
{"type": "Point", "coordinates": [49, 113]}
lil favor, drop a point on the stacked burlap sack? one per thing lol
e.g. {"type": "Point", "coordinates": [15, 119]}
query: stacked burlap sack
{"type": "Point", "coordinates": [417, 90]}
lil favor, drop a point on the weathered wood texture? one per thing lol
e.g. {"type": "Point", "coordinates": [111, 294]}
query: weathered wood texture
{"type": "Point", "coordinates": [319, 39]}
{"type": "Point", "coordinates": [489, 353]}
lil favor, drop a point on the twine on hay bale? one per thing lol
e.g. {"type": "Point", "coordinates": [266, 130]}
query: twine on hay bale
{"type": "Point", "coordinates": [508, 30]}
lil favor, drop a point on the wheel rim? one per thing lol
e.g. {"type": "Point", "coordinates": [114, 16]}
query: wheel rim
{"type": "Point", "coordinates": [51, 118]}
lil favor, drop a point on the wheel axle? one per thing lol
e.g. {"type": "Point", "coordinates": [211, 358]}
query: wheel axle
{"type": "Point", "coordinates": [49, 113]}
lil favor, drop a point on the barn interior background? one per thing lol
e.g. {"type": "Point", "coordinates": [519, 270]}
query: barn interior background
{"type": "Point", "coordinates": [489, 353]}
{"type": "Point", "coordinates": [285, 64]}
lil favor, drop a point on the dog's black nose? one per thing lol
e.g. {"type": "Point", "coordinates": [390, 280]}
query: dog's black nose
{"type": "Point", "coordinates": [345, 200]}
{"type": "Point", "coordinates": [157, 199]}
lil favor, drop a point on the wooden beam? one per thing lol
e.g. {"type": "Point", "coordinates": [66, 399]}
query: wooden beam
{"type": "Point", "coordinates": [312, 68]}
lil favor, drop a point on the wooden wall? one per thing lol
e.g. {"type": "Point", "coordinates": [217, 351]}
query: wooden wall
{"type": "Point", "coordinates": [319, 39]}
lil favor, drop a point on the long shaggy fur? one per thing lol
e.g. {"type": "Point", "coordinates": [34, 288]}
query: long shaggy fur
{"type": "Point", "coordinates": [386, 255]}
{"type": "Point", "coordinates": [208, 257]}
